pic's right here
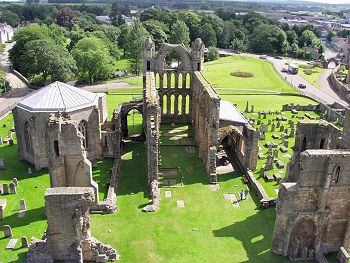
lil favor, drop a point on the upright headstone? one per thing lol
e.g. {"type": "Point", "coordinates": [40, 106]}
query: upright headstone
{"type": "Point", "coordinates": [275, 153]}
{"type": "Point", "coordinates": [246, 107]}
{"type": "Point", "coordinates": [22, 205]}
{"type": "Point", "coordinates": [15, 181]}
{"type": "Point", "coordinates": [262, 170]}
{"type": "Point", "coordinates": [1, 140]}
{"type": "Point", "coordinates": [7, 231]}
{"type": "Point", "coordinates": [1, 213]}
{"type": "Point", "coordinates": [9, 135]}
{"type": "Point", "coordinates": [269, 150]}
{"type": "Point", "coordinates": [286, 131]}
{"type": "Point", "coordinates": [24, 241]}
{"type": "Point", "coordinates": [281, 128]}
{"type": "Point", "coordinates": [30, 171]}
{"type": "Point", "coordinates": [269, 162]}
{"type": "Point", "coordinates": [273, 127]}
{"type": "Point", "coordinates": [2, 165]}
{"type": "Point", "coordinates": [5, 189]}
{"type": "Point", "coordinates": [11, 142]}
{"type": "Point", "coordinates": [269, 122]}
{"type": "Point", "coordinates": [252, 109]}
{"type": "Point", "coordinates": [262, 136]}
{"type": "Point", "coordinates": [286, 144]}
{"type": "Point", "coordinates": [13, 189]}
{"type": "Point", "coordinates": [278, 124]}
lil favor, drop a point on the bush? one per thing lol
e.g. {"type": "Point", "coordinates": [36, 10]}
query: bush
{"type": "Point", "coordinates": [308, 71]}
{"type": "Point", "coordinates": [240, 74]}
{"type": "Point", "coordinates": [306, 66]}
{"type": "Point", "coordinates": [213, 53]}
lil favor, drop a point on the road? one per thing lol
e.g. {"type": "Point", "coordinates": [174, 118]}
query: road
{"type": "Point", "coordinates": [324, 95]}
{"type": "Point", "coordinates": [19, 89]}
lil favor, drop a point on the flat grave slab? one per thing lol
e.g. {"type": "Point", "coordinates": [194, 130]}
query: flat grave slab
{"type": "Point", "coordinates": [180, 203]}
{"type": "Point", "coordinates": [234, 200]}
{"type": "Point", "coordinates": [280, 164]}
{"type": "Point", "coordinates": [224, 169]}
{"type": "Point", "coordinates": [275, 136]}
{"type": "Point", "coordinates": [12, 243]}
{"type": "Point", "coordinates": [283, 149]}
{"type": "Point", "coordinates": [261, 156]}
{"type": "Point", "coordinates": [226, 196]}
{"type": "Point", "coordinates": [269, 177]}
{"type": "Point", "coordinates": [167, 194]}
{"type": "Point", "coordinates": [215, 187]}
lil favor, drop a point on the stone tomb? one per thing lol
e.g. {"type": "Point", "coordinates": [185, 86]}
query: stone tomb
{"type": "Point", "coordinates": [7, 231]}
{"type": "Point", "coordinates": [12, 243]}
{"type": "Point", "coordinates": [180, 203]}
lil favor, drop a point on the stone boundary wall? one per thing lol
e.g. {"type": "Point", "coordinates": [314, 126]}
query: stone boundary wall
{"type": "Point", "coordinates": [264, 199]}
{"type": "Point", "coordinates": [331, 114]}
{"type": "Point", "coordinates": [342, 89]}
{"type": "Point", "coordinates": [21, 77]}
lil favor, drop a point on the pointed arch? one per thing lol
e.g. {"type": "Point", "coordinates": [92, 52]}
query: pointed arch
{"type": "Point", "coordinates": [188, 81]}
{"type": "Point", "coordinates": [187, 104]}
{"type": "Point", "coordinates": [179, 104]}
{"type": "Point", "coordinates": [165, 103]}
{"type": "Point", "coordinates": [179, 81]}
{"type": "Point", "coordinates": [28, 137]}
{"type": "Point", "coordinates": [172, 104]}
{"type": "Point", "coordinates": [83, 128]}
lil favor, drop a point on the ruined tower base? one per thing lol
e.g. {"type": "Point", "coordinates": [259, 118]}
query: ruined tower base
{"type": "Point", "coordinates": [68, 237]}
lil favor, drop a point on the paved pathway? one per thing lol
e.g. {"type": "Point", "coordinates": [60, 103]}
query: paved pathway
{"type": "Point", "coordinates": [104, 87]}
{"type": "Point", "coordinates": [19, 89]}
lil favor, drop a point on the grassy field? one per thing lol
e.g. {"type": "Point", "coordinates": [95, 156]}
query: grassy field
{"type": "Point", "coordinates": [265, 79]}
{"type": "Point", "coordinates": [312, 78]}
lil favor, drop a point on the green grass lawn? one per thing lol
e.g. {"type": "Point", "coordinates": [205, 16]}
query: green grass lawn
{"type": "Point", "coordinates": [265, 79]}
{"type": "Point", "coordinates": [208, 229]}
{"type": "Point", "coordinates": [313, 78]}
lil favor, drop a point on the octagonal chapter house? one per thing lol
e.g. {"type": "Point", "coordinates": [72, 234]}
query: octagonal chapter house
{"type": "Point", "coordinates": [31, 116]}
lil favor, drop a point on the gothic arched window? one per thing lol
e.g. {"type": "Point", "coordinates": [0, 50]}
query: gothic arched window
{"type": "Point", "coordinates": [336, 174]}
{"type": "Point", "coordinates": [83, 128]}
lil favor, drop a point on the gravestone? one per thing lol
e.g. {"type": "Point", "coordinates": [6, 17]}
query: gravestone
{"type": "Point", "coordinates": [275, 153]}
{"type": "Point", "coordinates": [258, 122]}
{"type": "Point", "coordinates": [262, 171]}
{"type": "Point", "coordinates": [5, 189]}
{"type": "Point", "coordinates": [277, 177]}
{"type": "Point", "coordinates": [273, 127]}
{"type": "Point", "coordinates": [167, 194]}
{"type": "Point", "coordinates": [15, 181]}
{"type": "Point", "coordinates": [278, 124]}
{"type": "Point", "coordinates": [281, 128]}
{"type": "Point", "coordinates": [2, 165]}
{"type": "Point", "coordinates": [12, 243]}
{"type": "Point", "coordinates": [264, 128]}
{"type": "Point", "coordinates": [269, 163]}
{"type": "Point", "coordinates": [11, 142]}
{"type": "Point", "coordinates": [269, 150]}
{"type": "Point", "coordinates": [283, 149]}
{"type": "Point", "coordinates": [9, 135]}
{"type": "Point", "coordinates": [261, 156]}
{"type": "Point", "coordinates": [7, 231]}
{"type": "Point", "coordinates": [22, 205]}
{"type": "Point", "coordinates": [1, 140]}
{"type": "Point", "coordinates": [24, 241]}
{"type": "Point", "coordinates": [1, 213]}
{"type": "Point", "coordinates": [29, 171]}
{"type": "Point", "coordinates": [286, 130]}
{"type": "Point", "coordinates": [262, 136]}
{"type": "Point", "coordinates": [280, 164]}
{"type": "Point", "coordinates": [269, 122]}
{"type": "Point", "coordinates": [13, 188]}
{"type": "Point", "coordinates": [275, 136]}
{"type": "Point", "coordinates": [259, 115]}
{"type": "Point", "coordinates": [180, 203]}
{"type": "Point", "coordinates": [269, 177]}
{"type": "Point", "coordinates": [286, 144]}
{"type": "Point", "coordinates": [252, 109]}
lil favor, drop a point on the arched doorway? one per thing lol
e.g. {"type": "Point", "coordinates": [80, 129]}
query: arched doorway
{"type": "Point", "coordinates": [302, 237]}
{"type": "Point", "coordinates": [134, 123]}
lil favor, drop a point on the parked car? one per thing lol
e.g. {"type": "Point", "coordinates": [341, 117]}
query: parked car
{"type": "Point", "coordinates": [287, 63]}
{"type": "Point", "coordinates": [284, 70]}
{"type": "Point", "coordinates": [263, 57]}
{"type": "Point", "coordinates": [302, 86]}
{"type": "Point", "coordinates": [277, 57]}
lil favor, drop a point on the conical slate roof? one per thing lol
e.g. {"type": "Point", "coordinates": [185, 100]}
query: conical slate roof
{"type": "Point", "coordinates": [58, 96]}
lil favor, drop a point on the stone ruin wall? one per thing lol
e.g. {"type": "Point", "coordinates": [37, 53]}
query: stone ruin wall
{"type": "Point", "coordinates": [313, 214]}
{"type": "Point", "coordinates": [68, 236]}
{"type": "Point", "coordinates": [151, 126]}
{"type": "Point", "coordinates": [317, 203]}
{"type": "Point", "coordinates": [205, 120]}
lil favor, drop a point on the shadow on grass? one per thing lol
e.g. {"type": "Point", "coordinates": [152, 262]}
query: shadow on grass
{"type": "Point", "coordinates": [22, 257]}
{"type": "Point", "coordinates": [30, 216]}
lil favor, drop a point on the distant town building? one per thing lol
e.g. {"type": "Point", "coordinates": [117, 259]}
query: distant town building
{"type": "Point", "coordinates": [6, 33]}
{"type": "Point", "coordinates": [104, 19]}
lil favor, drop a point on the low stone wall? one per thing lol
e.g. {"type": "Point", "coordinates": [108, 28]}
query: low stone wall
{"type": "Point", "coordinates": [264, 199]}
{"type": "Point", "coordinates": [21, 77]}
{"type": "Point", "coordinates": [342, 89]}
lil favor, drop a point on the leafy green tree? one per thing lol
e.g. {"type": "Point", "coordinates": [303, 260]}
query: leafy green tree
{"type": "Point", "coordinates": [9, 18]}
{"type": "Point", "coordinates": [93, 60]}
{"type": "Point", "coordinates": [268, 39]}
{"type": "Point", "coordinates": [58, 34]}
{"type": "Point", "coordinates": [124, 31]}
{"type": "Point", "coordinates": [330, 35]}
{"type": "Point", "coordinates": [213, 53]}
{"type": "Point", "coordinates": [307, 38]}
{"type": "Point", "coordinates": [179, 33]}
{"type": "Point", "coordinates": [157, 33]}
{"type": "Point", "coordinates": [75, 35]}
{"type": "Point", "coordinates": [134, 44]}
{"type": "Point", "coordinates": [208, 35]}
{"type": "Point", "coordinates": [43, 57]}
{"type": "Point", "coordinates": [23, 36]}
{"type": "Point", "coordinates": [292, 37]}
{"type": "Point", "coordinates": [116, 15]}
{"type": "Point", "coordinates": [192, 20]}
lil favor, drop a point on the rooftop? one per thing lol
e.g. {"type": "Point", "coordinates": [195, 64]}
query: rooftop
{"type": "Point", "coordinates": [228, 112]}
{"type": "Point", "coordinates": [58, 96]}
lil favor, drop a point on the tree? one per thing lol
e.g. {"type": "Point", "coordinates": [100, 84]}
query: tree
{"type": "Point", "coordinates": [179, 33]}
{"type": "Point", "coordinates": [9, 18]}
{"type": "Point", "coordinates": [22, 36]}
{"type": "Point", "coordinates": [93, 60]}
{"type": "Point", "coordinates": [65, 17]}
{"type": "Point", "coordinates": [307, 38]}
{"type": "Point", "coordinates": [213, 53]}
{"type": "Point", "coordinates": [44, 58]}
{"type": "Point", "coordinates": [116, 15]}
{"type": "Point", "coordinates": [58, 34]}
{"type": "Point", "coordinates": [157, 33]}
{"type": "Point", "coordinates": [134, 43]}
{"type": "Point", "coordinates": [268, 39]}
{"type": "Point", "coordinates": [292, 37]}
{"type": "Point", "coordinates": [330, 35]}
{"type": "Point", "coordinates": [208, 35]}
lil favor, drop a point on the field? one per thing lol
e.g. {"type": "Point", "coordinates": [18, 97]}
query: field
{"type": "Point", "coordinates": [208, 229]}
{"type": "Point", "coordinates": [312, 78]}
